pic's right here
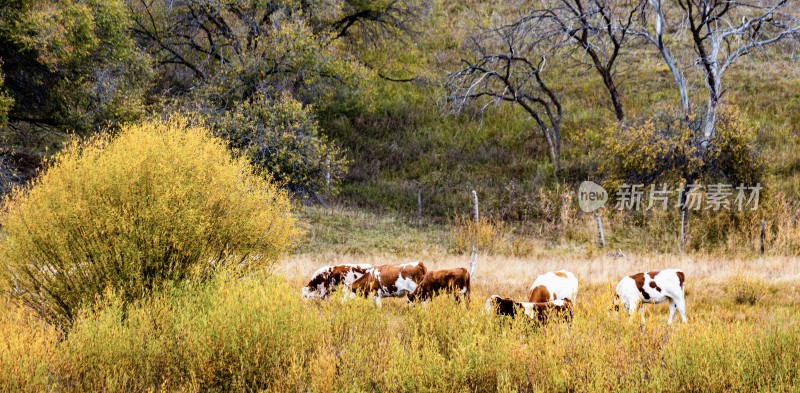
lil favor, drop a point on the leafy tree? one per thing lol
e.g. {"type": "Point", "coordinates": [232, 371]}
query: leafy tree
{"type": "Point", "coordinates": [669, 149]}
{"type": "Point", "coordinates": [229, 50]}
{"type": "Point", "coordinates": [70, 64]}
{"type": "Point", "coordinates": [257, 72]}
{"type": "Point", "coordinates": [378, 34]}
{"type": "Point", "coordinates": [6, 102]}
{"type": "Point", "coordinates": [282, 136]}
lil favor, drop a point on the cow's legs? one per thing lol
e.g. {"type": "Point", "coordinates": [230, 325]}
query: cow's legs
{"type": "Point", "coordinates": [377, 299]}
{"type": "Point", "coordinates": [671, 311]}
{"type": "Point", "coordinates": [680, 304]}
{"type": "Point", "coordinates": [642, 311]}
{"type": "Point", "coordinates": [631, 309]}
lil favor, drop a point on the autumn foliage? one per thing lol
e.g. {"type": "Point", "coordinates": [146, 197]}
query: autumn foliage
{"type": "Point", "coordinates": [158, 203]}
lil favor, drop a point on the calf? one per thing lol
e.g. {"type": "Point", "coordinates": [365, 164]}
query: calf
{"type": "Point", "coordinates": [390, 281]}
{"type": "Point", "coordinates": [652, 287]}
{"type": "Point", "coordinates": [542, 312]}
{"type": "Point", "coordinates": [554, 286]}
{"type": "Point", "coordinates": [326, 279]}
{"type": "Point", "coordinates": [440, 281]}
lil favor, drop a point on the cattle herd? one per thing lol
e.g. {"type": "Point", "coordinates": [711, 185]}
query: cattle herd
{"type": "Point", "coordinates": [551, 296]}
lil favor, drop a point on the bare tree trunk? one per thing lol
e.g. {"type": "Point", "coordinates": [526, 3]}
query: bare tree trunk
{"type": "Point", "coordinates": [714, 84]}
{"type": "Point", "coordinates": [678, 76]}
{"type": "Point", "coordinates": [473, 257]}
{"type": "Point", "coordinates": [711, 119]}
{"type": "Point", "coordinates": [658, 41]}
{"type": "Point", "coordinates": [723, 31]}
{"type": "Point", "coordinates": [419, 204]}
{"type": "Point", "coordinates": [553, 149]}
{"type": "Point", "coordinates": [684, 215]}
{"type": "Point", "coordinates": [684, 225]}
{"type": "Point", "coordinates": [600, 229]}
{"type": "Point", "coordinates": [608, 80]}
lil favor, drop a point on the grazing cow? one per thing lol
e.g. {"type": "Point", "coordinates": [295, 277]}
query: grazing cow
{"type": "Point", "coordinates": [652, 287]}
{"type": "Point", "coordinates": [538, 311]}
{"type": "Point", "coordinates": [554, 286]}
{"type": "Point", "coordinates": [440, 281]}
{"type": "Point", "coordinates": [390, 281]}
{"type": "Point", "coordinates": [326, 279]}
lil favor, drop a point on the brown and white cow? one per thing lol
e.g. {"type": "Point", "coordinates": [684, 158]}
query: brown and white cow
{"type": "Point", "coordinates": [653, 287]}
{"type": "Point", "coordinates": [390, 281]}
{"type": "Point", "coordinates": [554, 286]}
{"type": "Point", "coordinates": [327, 279]}
{"type": "Point", "coordinates": [455, 281]}
{"type": "Point", "coordinates": [542, 312]}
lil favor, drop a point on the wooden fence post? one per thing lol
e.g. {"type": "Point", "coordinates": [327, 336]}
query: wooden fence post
{"type": "Point", "coordinates": [684, 217]}
{"type": "Point", "coordinates": [475, 206]}
{"type": "Point", "coordinates": [328, 175]}
{"type": "Point", "coordinates": [419, 204]}
{"type": "Point", "coordinates": [473, 258]}
{"type": "Point", "coordinates": [763, 235]}
{"type": "Point", "coordinates": [600, 229]}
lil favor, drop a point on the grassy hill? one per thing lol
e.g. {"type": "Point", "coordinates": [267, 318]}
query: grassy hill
{"type": "Point", "coordinates": [408, 140]}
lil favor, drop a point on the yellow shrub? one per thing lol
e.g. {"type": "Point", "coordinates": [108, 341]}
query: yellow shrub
{"type": "Point", "coordinates": [748, 290]}
{"type": "Point", "coordinates": [26, 345]}
{"type": "Point", "coordinates": [159, 202]}
{"type": "Point", "coordinates": [493, 237]}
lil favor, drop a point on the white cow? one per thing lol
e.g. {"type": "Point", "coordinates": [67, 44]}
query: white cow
{"type": "Point", "coordinates": [653, 287]}
{"type": "Point", "coordinates": [554, 286]}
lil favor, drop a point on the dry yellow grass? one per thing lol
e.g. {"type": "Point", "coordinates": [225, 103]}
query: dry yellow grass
{"type": "Point", "coordinates": [253, 333]}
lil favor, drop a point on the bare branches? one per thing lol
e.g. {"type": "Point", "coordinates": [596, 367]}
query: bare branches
{"type": "Point", "coordinates": [657, 39]}
{"type": "Point", "coordinates": [377, 20]}
{"type": "Point", "coordinates": [600, 29]}
{"type": "Point", "coordinates": [507, 67]}
{"type": "Point", "coordinates": [510, 59]}
{"type": "Point", "coordinates": [721, 32]}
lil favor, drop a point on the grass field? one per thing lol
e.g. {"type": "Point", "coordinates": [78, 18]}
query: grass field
{"type": "Point", "coordinates": [209, 328]}
{"type": "Point", "coordinates": [255, 333]}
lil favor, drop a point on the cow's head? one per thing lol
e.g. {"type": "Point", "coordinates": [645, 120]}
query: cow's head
{"type": "Point", "coordinates": [317, 288]}
{"type": "Point", "coordinates": [491, 304]}
{"type": "Point", "coordinates": [412, 297]}
{"type": "Point", "coordinates": [567, 315]}
{"type": "Point", "coordinates": [498, 305]}
{"type": "Point", "coordinates": [311, 293]}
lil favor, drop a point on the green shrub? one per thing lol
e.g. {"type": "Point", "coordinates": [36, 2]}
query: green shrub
{"type": "Point", "coordinates": [671, 150]}
{"type": "Point", "coordinates": [282, 136]}
{"type": "Point", "coordinates": [6, 102]}
{"type": "Point", "coordinates": [159, 202]}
